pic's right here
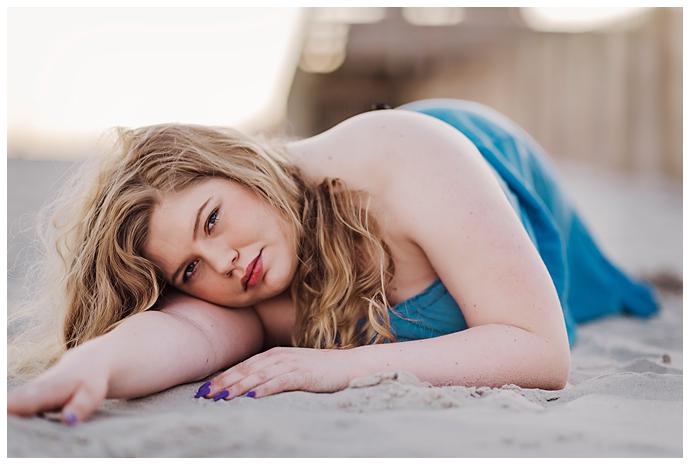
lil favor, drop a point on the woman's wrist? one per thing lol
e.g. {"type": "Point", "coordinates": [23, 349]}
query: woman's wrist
{"type": "Point", "coordinates": [353, 363]}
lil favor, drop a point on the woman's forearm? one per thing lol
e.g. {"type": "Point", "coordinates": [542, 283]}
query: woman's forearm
{"type": "Point", "coordinates": [487, 355]}
{"type": "Point", "coordinates": [153, 350]}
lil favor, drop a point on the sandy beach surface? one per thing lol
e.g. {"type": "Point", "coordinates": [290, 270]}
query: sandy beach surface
{"type": "Point", "coordinates": [623, 399]}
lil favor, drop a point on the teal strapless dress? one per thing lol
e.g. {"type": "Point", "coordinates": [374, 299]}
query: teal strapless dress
{"type": "Point", "coordinates": [589, 286]}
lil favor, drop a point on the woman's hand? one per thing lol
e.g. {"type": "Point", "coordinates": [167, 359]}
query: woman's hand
{"type": "Point", "coordinates": [75, 386]}
{"type": "Point", "coordinates": [282, 369]}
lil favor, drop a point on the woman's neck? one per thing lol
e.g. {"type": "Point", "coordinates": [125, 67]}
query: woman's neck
{"type": "Point", "coordinates": [305, 154]}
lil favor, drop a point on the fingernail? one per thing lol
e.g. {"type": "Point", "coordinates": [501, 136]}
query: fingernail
{"type": "Point", "coordinates": [220, 395]}
{"type": "Point", "coordinates": [250, 394]}
{"type": "Point", "coordinates": [71, 419]}
{"type": "Point", "coordinates": [203, 390]}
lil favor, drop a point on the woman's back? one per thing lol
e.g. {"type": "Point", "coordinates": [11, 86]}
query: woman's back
{"type": "Point", "coordinates": [528, 179]}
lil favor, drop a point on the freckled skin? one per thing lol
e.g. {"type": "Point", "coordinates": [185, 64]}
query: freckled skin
{"type": "Point", "coordinates": [244, 225]}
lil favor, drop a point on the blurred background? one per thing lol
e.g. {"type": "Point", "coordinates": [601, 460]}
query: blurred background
{"type": "Point", "coordinates": [602, 85]}
{"type": "Point", "coordinates": [600, 89]}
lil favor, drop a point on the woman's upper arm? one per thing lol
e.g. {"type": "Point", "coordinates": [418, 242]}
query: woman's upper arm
{"type": "Point", "coordinates": [233, 334]}
{"type": "Point", "coordinates": [448, 201]}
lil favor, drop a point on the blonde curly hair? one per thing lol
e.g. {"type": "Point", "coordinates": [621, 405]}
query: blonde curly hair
{"type": "Point", "coordinates": [94, 276]}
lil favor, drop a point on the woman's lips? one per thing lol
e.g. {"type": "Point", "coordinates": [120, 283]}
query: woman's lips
{"type": "Point", "coordinates": [255, 269]}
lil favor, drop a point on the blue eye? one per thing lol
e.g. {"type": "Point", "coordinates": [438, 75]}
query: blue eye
{"type": "Point", "coordinates": [190, 269]}
{"type": "Point", "coordinates": [210, 222]}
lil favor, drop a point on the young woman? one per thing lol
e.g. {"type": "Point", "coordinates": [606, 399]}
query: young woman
{"type": "Point", "coordinates": [432, 238]}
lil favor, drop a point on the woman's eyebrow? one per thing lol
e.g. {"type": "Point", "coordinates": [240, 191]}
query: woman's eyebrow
{"type": "Point", "coordinates": [196, 227]}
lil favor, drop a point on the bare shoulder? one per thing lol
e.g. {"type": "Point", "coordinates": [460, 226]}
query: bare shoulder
{"type": "Point", "coordinates": [403, 154]}
{"type": "Point", "coordinates": [387, 136]}
{"type": "Point", "coordinates": [372, 149]}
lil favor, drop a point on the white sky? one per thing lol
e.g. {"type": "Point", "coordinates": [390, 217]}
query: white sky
{"type": "Point", "coordinates": [74, 72]}
{"type": "Point", "coordinates": [578, 19]}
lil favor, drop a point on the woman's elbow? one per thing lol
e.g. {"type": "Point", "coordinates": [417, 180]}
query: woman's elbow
{"type": "Point", "coordinates": [560, 371]}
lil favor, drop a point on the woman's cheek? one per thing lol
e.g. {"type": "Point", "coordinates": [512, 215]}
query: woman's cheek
{"type": "Point", "coordinates": [210, 294]}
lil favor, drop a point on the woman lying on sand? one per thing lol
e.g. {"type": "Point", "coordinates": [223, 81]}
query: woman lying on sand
{"type": "Point", "coordinates": [433, 238]}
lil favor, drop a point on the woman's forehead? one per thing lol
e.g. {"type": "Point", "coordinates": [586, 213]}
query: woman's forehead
{"type": "Point", "coordinates": [173, 219]}
{"type": "Point", "coordinates": [195, 189]}
{"type": "Point", "coordinates": [171, 224]}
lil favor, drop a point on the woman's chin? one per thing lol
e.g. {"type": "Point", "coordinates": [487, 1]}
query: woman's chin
{"type": "Point", "coordinates": [271, 290]}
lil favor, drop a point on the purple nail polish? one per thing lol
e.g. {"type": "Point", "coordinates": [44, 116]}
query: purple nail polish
{"type": "Point", "coordinates": [205, 385]}
{"type": "Point", "coordinates": [250, 394]}
{"type": "Point", "coordinates": [220, 395]}
{"type": "Point", "coordinates": [71, 419]}
{"type": "Point", "coordinates": [203, 390]}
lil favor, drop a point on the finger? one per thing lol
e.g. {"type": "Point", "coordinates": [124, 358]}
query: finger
{"type": "Point", "coordinates": [286, 382]}
{"type": "Point", "coordinates": [80, 407]}
{"type": "Point", "coordinates": [34, 397]}
{"type": "Point", "coordinates": [255, 379]}
{"type": "Point", "coordinates": [243, 370]}
{"type": "Point", "coordinates": [234, 376]}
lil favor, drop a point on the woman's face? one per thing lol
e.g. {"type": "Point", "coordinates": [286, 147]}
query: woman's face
{"type": "Point", "coordinates": [206, 238]}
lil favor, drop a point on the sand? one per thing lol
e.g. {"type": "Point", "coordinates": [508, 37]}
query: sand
{"type": "Point", "coordinates": [624, 396]}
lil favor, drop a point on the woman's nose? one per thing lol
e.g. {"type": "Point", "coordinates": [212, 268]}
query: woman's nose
{"type": "Point", "coordinates": [222, 261]}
